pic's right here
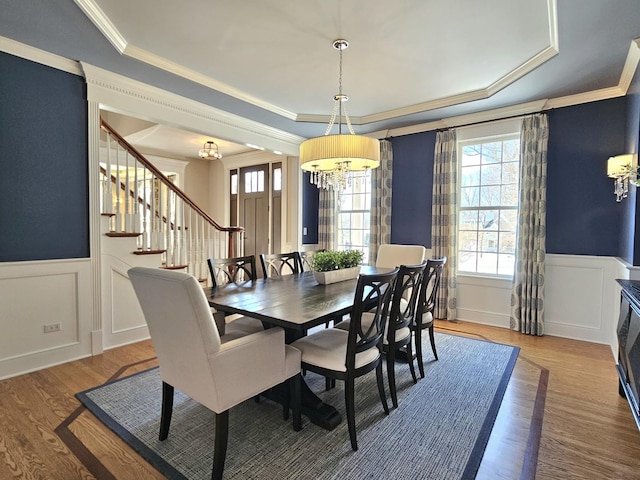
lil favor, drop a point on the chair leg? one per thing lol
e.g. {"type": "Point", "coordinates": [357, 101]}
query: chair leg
{"type": "Point", "coordinates": [167, 410]}
{"type": "Point", "coordinates": [391, 375]}
{"type": "Point", "coordinates": [380, 380]}
{"type": "Point", "coordinates": [220, 445]}
{"type": "Point", "coordinates": [410, 360]}
{"type": "Point", "coordinates": [296, 394]}
{"type": "Point", "coordinates": [349, 400]}
{"type": "Point", "coordinates": [419, 350]}
{"type": "Point", "coordinates": [286, 398]}
{"type": "Point", "coordinates": [433, 341]}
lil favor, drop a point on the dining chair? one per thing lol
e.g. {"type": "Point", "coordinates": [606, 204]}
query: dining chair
{"type": "Point", "coordinates": [278, 264]}
{"type": "Point", "coordinates": [347, 355]}
{"type": "Point", "coordinates": [397, 332]}
{"type": "Point", "coordinates": [392, 255]}
{"type": "Point", "coordinates": [306, 259]}
{"type": "Point", "coordinates": [193, 359]}
{"type": "Point", "coordinates": [423, 319]}
{"type": "Point", "coordinates": [236, 270]}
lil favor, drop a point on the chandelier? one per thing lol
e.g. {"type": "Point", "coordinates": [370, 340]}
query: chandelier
{"type": "Point", "coordinates": [210, 150]}
{"type": "Point", "coordinates": [336, 160]}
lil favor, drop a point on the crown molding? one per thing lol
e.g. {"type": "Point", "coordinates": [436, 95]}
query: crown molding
{"type": "Point", "coordinates": [102, 23]}
{"type": "Point", "coordinates": [128, 96]}
{"type": "Point", "coordinates": [39, 56]}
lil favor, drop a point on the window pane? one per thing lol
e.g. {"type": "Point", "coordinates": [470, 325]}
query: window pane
{"type": "Point", "coordinates": [491, 152]}
{"type": "Point", "coordinates": [260, 186]}
{"type": "Point", "coordinates": [277, 179]}
{"type": "Point", "coordinates": [491, 175]}
{"type": "Point", "coordinates": [490, 196]}
{"type": "Point", "coordinates": [470, 155]}
{"type": "Point", "coordinates": [234, 184]}
{"type": "Point", "coordinates": [470, 196]}
{"type": "Point", "coordinates": [470, 176]}
{"type": "Point", "coordinates": [488, 263]}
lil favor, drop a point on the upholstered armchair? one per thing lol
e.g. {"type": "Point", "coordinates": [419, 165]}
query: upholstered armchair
{"type": "Point", "coordinates": [193, 358]}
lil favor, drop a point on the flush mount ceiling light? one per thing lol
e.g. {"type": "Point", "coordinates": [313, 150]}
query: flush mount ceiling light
{"type": "Point", "coordinates": [335, 160]}
{"type": "Point", "coordinates": [210, 150]}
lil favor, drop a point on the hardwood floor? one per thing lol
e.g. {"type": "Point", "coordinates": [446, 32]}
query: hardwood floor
{"type": "Point", "coordinates": [561, 418]}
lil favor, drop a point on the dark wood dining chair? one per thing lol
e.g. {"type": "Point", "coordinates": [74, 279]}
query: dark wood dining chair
{"type": "Point", "coordinates": [306, 259]}
{"type": "Point", "coordinates": [347, 355]}
{"type": "Point", "coordinates": [236, 270]}
{"type": "Point", "coordinates": [278, 264]}
{"type": "Point", "coordinates": [397, 324]}
{"type": "Point", "coordinates": [423, 319]}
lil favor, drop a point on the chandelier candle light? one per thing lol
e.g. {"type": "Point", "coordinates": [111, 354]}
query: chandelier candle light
{"type": "Point", "coordinates": [335, 160]}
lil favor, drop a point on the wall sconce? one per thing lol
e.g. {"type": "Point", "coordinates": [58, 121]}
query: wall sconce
{"type": "Point", "coordinates": [622, 169]}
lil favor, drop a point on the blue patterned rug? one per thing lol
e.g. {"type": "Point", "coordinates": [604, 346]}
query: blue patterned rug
{"type": "Point", "coordinates": [439, 431]}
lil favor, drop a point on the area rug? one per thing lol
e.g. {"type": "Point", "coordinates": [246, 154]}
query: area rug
{"type": "Point", "coordinates": [439, 431]}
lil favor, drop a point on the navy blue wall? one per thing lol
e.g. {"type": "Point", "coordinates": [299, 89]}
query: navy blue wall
{"type": "Point", "coordinates": [412, 188]}
{"type": "Point", "coordinates": [310, 203]}
{"type": "Point", "coordinates": [583, 217]}
{"type": "Point", "coordinates": [44, 200]}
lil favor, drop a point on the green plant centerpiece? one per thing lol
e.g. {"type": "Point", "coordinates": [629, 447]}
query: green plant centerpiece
{"type": "Point", "coordinates": [333, 266]}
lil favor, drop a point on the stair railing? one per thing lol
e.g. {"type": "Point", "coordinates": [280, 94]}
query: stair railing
{"type": "Point", "coordinates": [144, 202]}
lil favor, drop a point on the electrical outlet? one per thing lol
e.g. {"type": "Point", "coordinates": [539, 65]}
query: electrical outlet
{"type": "Point", "coordinates": [53, 327]}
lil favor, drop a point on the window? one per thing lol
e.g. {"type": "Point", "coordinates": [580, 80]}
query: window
{"type": "Point", "coordinates": [254, 181]}
{"type": "Point", "coordinates": [354, 207]}
{"type": "Point", "coordinates": [488, 211]}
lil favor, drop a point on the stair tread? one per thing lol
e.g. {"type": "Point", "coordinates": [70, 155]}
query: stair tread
{"type": "Point", "coordinates": [122, 234]}
{"type": "Point", "coordinates": [148, 252]}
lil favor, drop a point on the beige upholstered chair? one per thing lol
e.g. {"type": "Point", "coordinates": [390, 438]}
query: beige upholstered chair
{"type": "Point", "coordinates": [348, 354]}
{"type": "Point", "coordinates": [390, 256]}
{"type": "Point", "coordinates": [193, 359]}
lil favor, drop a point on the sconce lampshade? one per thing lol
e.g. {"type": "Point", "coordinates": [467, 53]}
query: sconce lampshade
{"type": "Point", "coordinates": [620, 165]}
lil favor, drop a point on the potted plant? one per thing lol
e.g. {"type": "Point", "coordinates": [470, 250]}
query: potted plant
{"type": "Point", "coordinates": [333, 266]}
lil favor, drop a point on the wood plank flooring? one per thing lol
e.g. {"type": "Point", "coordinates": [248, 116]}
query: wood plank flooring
{"type": "Point", "coordinates": [562, 417]}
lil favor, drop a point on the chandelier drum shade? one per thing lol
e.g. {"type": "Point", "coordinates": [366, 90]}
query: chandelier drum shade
{"type": "Point", "coordinates": [210, 150]}
{"type": "Point", "coordinates": [335, 160]}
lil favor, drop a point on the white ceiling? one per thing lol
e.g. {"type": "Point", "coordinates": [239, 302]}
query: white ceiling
{"type": "Point", "coordinates": [408, 61]}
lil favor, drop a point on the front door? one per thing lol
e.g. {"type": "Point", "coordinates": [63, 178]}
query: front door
{"type": "Point", "coordinates": [253, 208]}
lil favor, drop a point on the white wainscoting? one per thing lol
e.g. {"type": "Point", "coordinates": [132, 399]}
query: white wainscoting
{"type": "Point", "coordinates": [35, 294]}
{"type": "Point", "coordinates": [581, 298]}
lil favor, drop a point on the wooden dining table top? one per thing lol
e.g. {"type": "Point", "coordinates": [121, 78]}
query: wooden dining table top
{"type": "Point", "coordinates": [295, 302]}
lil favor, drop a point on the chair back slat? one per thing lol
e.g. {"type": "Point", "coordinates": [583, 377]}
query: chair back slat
{"type": "Point", "coordinates": [232, 270]}
{"type": "Point", "coordinates": [278, 264]}
{"type": "Point", "coordinates": [373, 297]}
{"type": "Point", "coordinates": [405, 298]}
{"type": "Point", "coordinates": [430, 286]}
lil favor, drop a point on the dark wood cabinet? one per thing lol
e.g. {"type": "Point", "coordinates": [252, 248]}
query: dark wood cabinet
{"type": "Point", "coordinates": [628, 333]}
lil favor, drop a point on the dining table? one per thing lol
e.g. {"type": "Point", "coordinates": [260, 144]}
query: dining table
{"type": "Point", "coordinates": [296, 303]}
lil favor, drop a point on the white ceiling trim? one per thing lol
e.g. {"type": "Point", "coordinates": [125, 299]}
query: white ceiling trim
{"type": "Point", "coordinates": [39, 56]}
{"type": "Point", "coordinates": [102, 22]}
{"type": "Point", "coordinates": [133, 97]}
{"type": "Point", "coordinates": [106, 27]}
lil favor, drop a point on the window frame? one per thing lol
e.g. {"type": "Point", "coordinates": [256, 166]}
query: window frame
{"type": "Point", "coordinates": [484, 134]}
{"type": "Point", "coordinates": [366, 212]}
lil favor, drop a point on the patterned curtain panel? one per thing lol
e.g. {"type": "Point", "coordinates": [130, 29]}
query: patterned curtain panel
{"type": "Point", "coordinates": [527, 294]}
{"type": "Point", "coordinates": [381, 179]}
{"type": "Point", "coordinates": [445, 218]}
{"type": "Point", "coordinates": [327, 219]}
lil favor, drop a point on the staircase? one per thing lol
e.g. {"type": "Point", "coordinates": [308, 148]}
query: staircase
{"type": "Point", "coordinates": [141, 203]}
